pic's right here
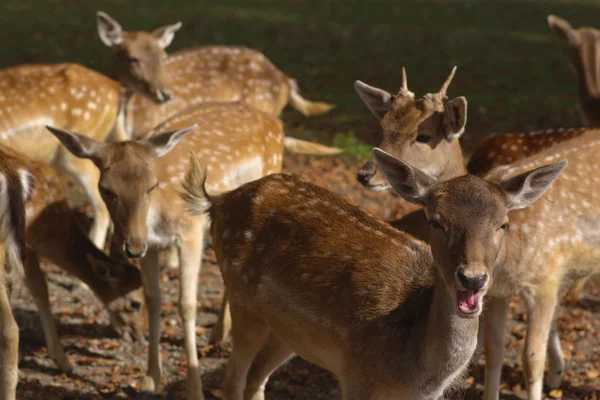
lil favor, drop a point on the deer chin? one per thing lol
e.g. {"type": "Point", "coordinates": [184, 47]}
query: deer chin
{"type": "Point", "coordinates": [469, 303]}
{"type": "Point", "coordinates": [377, 187]}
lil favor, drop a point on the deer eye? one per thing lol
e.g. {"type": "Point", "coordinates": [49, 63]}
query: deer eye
{"type": "Point", "coordinates": [423, 138]}
{"type": "Point", "coordinates": [504, 226]}
{"type": "Point", "coordinates": [435, 225]}
{"type": "Point", "coordinates": [107, 193]}
{"type": "Point", "coordinates": [133, 60]}
{"type": "Point", "coordinates": [135, 305]}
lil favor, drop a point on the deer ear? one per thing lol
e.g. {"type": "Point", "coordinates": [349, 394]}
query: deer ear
{"type": "Point", "coordinates": [79, 145]}
{"type": "Point", "coordinates": [563, 30]}
{"type": "Point", "coordinates": [103, 270]}
{"type": "Point", "coordinates": [165, 34]}
{"type": "Point", "coordinates": [455, 118]}
{"type": "Point", "coordinates": [410, 183]}
{"type": "Point", "coordinates": [524, 189]}
{"type": "Point", "coordinates": [378, 101]}
{"type": "Point", "coordinates": [163, 143]}
{"type": "Point", "coordinates": [109, 30]}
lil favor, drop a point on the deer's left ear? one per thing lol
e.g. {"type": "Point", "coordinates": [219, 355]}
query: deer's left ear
{"type": "Point", "coordinates": [165, 34]}
{"type": "Point", "coordinates": [163, 143]}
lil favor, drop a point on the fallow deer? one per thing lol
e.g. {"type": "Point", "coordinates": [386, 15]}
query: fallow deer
{"type": "Point", "coordinates": [139, 181]}
{"type": "Point", "coordinates": [527, 269]}
{"type": "Point", "coordinates": [73, 97]}
{"type": "Point", "coordinates": [45, 227]}
{"type": "Point", "coordinates": [308, 273]}
{"type": "Point", "coordinates": [221, 73]}
{"type": "Point", "coordinates": [583, 46]}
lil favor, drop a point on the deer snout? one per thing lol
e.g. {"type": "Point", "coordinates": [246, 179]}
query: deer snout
{"type": "Point", "coordinates": [135, 250]}
{"type": "Point", "coordinates": [471, 280]}
{"type": "Point", "coordinates": [366, 173]}
{"type": "Point", "coordinates": [162, 96]}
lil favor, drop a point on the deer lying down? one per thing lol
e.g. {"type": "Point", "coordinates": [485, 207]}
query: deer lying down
{"type": "Point", "coordinates": [308, 273]}
{"type": "Point", "coordinates": [48, 227]}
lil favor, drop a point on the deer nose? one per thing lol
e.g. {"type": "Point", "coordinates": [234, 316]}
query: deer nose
{"type": "Point", "coordinates": [472, 282]}
{"type": "Point", "coordinates": [163, 96]}
{"type": "Point", "coordinates": [365, 175]}
{"type": "Point", "coordinates": [135, 251]}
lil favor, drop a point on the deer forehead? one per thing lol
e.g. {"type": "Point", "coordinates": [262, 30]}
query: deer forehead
{"type": "Point", "coordinates": [142, 44]}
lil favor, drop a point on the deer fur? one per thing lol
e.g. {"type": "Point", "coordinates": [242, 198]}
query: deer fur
{"type": "Point", "coordinates": [37, 222]}
{"type": "Point", "coordinates": [527, 270]}
{"type": "Point", "coordinates": [308, 273]}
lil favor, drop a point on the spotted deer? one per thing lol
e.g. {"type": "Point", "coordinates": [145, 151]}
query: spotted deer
{"type": "Point", "coordinates": [73, 97]}
{"type": "Point", "coordinates": [539, 251]}
{"type": "Point", "coordinates": [308, 273]}
{"type": "Point", "coordinates": [583, 52]}
{"type": "Point", "coordinates": [221, 73]}
{"type": "Point", "coordinates": [140, 180]}
{"type": "Point", "coordinates": [37, 222]}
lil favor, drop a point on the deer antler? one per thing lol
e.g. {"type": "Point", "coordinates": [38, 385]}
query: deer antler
{"type": "Point", "coordinates": [404, 92]}
{"type": "Point", "coordinates": [444, 88]}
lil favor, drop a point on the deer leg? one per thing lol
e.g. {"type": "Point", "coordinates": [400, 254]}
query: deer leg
{"type": "Point", "coordinates": [88, 175]}
{"type": "Point", "coordinates": [540, 312]}
{"type": "Point", "coordinates": [493, 322]}
{"type": "Point", "coordinates": [151, 280]}
{"type": "Point", "coordinates": [9, 345]}
{"type": "Point", "coordinates": [190, 260]}
{"type": "Point", "coordinates": [223, 325]}
{"type": "Point", "coordinates": [36, 283]}
{"type": "Point", "coordinates": [171, 259]}
{"type": "Point", "coordinates": [249, 333]}
{"type": "Point", "coordinates": [556, 360]}
{"type": "Point", "coordinates": [273, 353]}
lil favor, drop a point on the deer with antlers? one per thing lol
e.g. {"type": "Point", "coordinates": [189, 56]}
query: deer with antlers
{"type": "Point", "coordinates": [308, 273]}
{"type": "Point", "coordinates": [73, 97]}
{"type": "Point", "coordinates": [37, 222]}
{"type": "Point", "coordinates": [139, 181]}
{"type": "Point", "coordinates": [539, 251]}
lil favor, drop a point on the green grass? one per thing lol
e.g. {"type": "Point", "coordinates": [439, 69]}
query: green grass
{"type": "Point", "coordinates": [512, 70]}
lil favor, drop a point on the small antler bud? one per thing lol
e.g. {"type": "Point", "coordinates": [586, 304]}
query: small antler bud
{"type": "Point", "coordinates": [404, 92]}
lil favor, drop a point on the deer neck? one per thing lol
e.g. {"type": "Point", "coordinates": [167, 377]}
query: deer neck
{"type": "Point", "coordinates": [122, 128]}
{"type": "Point", "coordinates": [454, 163]}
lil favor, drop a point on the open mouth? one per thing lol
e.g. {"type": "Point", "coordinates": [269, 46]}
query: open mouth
{"type": "Point", "coordinates": [380, 187]}
{"type": "Point", "coordinates": [469, 301]}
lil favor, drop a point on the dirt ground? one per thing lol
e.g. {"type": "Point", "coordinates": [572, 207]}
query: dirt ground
{"type": "Point", "coordinates": [107, 367]}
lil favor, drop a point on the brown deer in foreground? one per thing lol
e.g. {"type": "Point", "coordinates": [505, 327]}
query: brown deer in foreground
{"type": "Point", "coordinates": [308, 273]}
{"type": "Point", "coordinates": [74, 97]}
{"type": "Point", "coordinates": [46, 224]}
{"type": "Point", "coordinates": [139, 181]}
{"type": "Point", "coordinates": [583, 46]}
{"type": "Point", "coordinates": [546, 241]}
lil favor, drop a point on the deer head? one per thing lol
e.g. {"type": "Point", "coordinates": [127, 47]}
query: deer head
{"type": "Point", "coordinates": [466, 244]}
{"type": "Point", "coordinates": [584, 50]}
{"type": "Point", "coordinates": [423, 132]}
{"type": "Point", "coordinates": [127, 180]}
{"type": "Point", "coordinates": [139, 56]}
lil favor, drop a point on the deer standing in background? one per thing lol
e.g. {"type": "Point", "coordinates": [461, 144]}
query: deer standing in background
{"type": "Point", "coordinates": [46, 224]}
{"type": "Point", "coordinates": [139, 181]}
{"type": "Point", "coordinates": [308, 273]}
{"type": "Point", "coordinates": [73, 97]}
{"type": "Point", "coordinates": [527, 268]}
{"type": "Point", "coordinates": [583, 50]}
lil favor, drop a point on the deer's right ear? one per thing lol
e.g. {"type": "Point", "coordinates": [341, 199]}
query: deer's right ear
{"type": "Point", "coordinates": [522, 190]}
{"type": "Point", "coordinates": [109, 30]}
{"type": "Point", "coordinates": [378, 101]}
{"type": "Point", "coordinates": [163, 143]}
{"type": "Point", "coordinates": [102, 269]}
{"type": "Point", "coordinates": [410, 183]}
{"type": "Point", "coordinates": [79, 145]}
{"type": "Point", "coordinates": [562, 29]}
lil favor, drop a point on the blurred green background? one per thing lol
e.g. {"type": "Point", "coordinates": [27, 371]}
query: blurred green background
{"type": "Point", "coordinates": [513, 71]}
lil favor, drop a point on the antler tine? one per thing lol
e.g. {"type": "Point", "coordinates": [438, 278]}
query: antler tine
{"type": "Point", "coordinates": [404, 92]}
{"type": "Point", "coordinates": [447, 83]}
